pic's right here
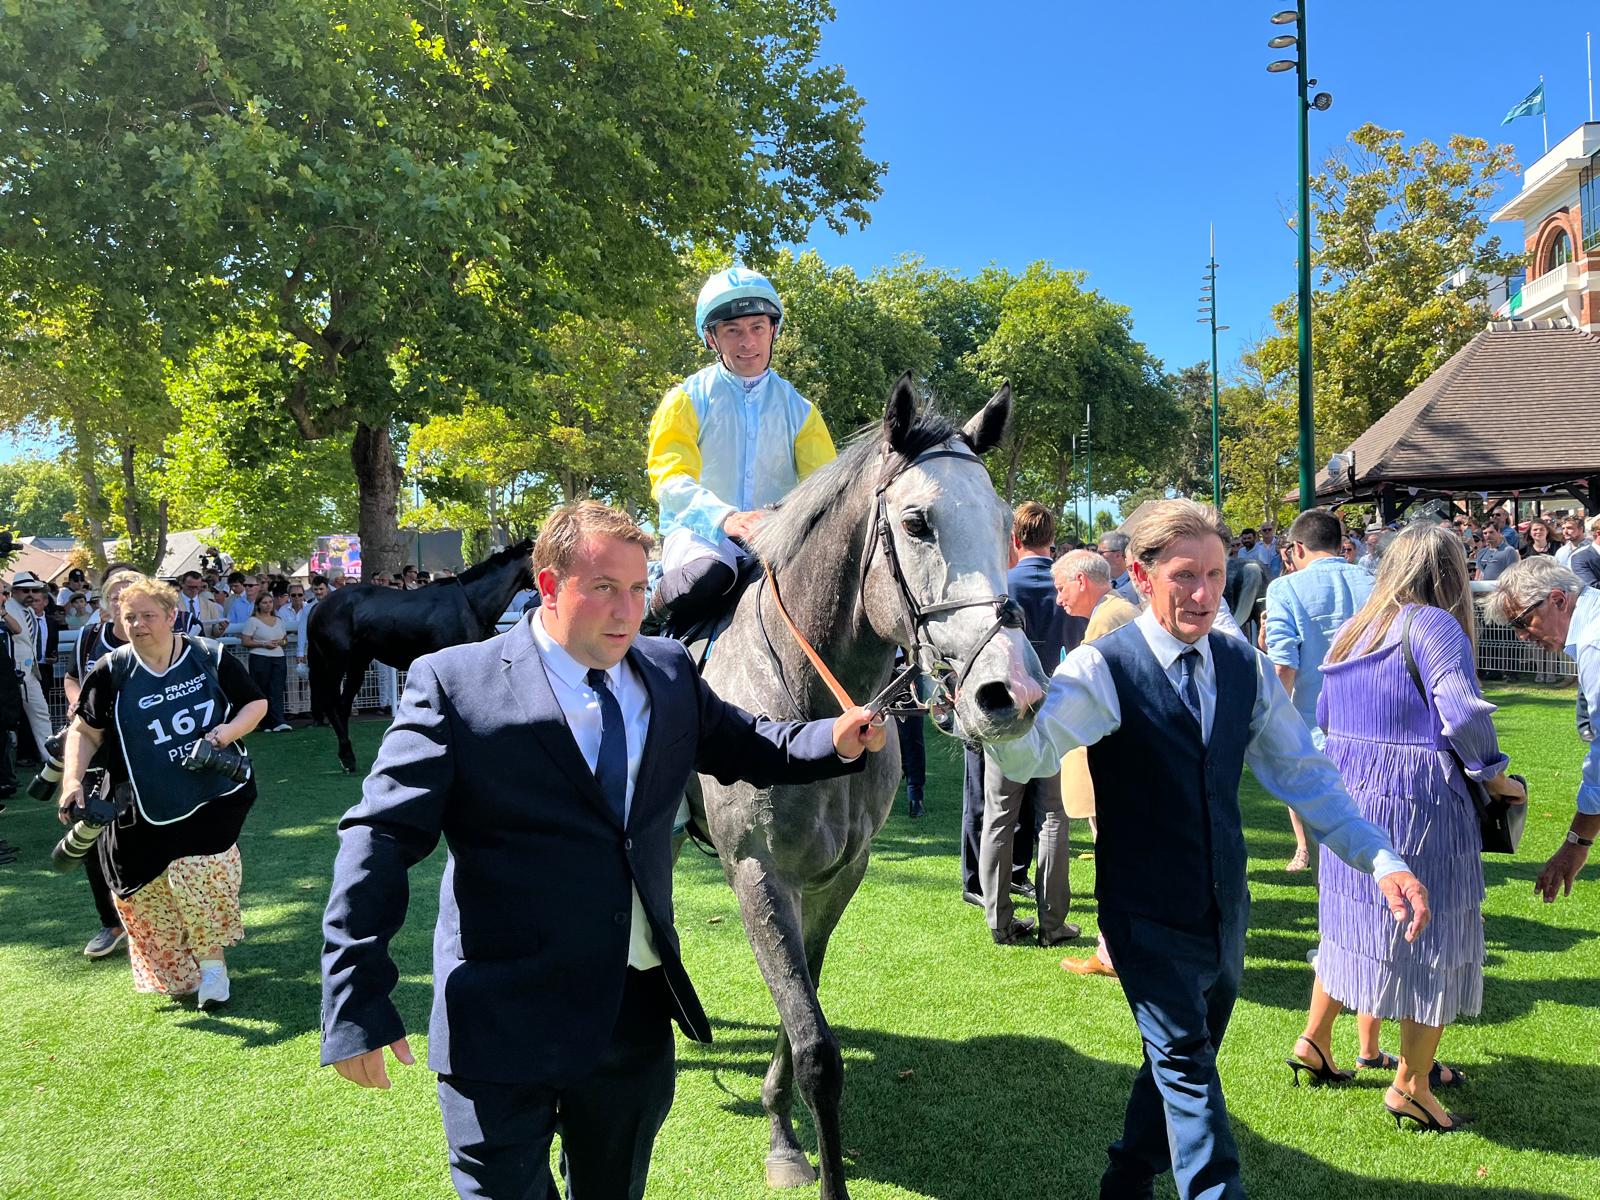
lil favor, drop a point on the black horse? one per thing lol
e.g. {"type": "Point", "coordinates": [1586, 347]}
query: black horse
{"type": "Point", "coordinates": [363, 622]}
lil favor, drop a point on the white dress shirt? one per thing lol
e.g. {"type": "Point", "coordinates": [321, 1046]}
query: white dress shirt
{"type": "Point", "coordinates": [1081, 707]}
{"type": "Point", "coordinates": [581, 706]}
{"type": "Point", "coordinates": [1583, 646]}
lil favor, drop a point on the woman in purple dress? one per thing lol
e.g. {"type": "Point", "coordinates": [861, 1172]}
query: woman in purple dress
{"type": "Point", "coordinates": [1393, 743]}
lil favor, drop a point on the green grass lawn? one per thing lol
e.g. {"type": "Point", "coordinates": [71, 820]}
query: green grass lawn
{"type": "Point", "coordinates": [972, 1072]}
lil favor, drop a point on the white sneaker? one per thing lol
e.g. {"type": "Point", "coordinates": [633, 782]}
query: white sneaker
{"type": "Point", "coordinates": [283, 727]}
{"type": "Point", "coordinates": [213, 985]}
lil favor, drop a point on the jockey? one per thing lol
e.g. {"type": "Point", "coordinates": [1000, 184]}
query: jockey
{"type": "Point", "coordinates": [726, 443]}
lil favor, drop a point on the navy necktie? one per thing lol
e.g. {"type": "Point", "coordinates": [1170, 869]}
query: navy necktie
{"type": "Point", "coordinates": [611, 766]}
{"type": "Point", "coordinates": [1190, 659]}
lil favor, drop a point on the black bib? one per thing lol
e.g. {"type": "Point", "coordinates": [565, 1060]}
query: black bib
{"type": "Point", "coordinates": [159, 719]}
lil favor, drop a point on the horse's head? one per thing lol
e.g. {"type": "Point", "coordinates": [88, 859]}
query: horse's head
{"type": "Point", "coordinates": [937, 566]}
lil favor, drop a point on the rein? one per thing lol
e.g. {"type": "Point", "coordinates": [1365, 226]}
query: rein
{"type": "Point", "coordinates": [939, 666]}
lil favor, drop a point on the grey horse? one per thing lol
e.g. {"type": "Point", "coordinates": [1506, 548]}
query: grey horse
{"type": "Point", "coordinates": [794, 856]}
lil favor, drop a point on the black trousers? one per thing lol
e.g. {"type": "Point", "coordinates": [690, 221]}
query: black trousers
{"type": "Point", "coordinates": [913, 751]}
{"type": "Point", "coordinates": [500, 1133]}
{"type": "Point", "coordinates": [270, 675]}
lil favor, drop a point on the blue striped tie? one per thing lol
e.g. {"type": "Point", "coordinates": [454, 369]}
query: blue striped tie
{"type": "Point", "coordinates": [1190, 659]}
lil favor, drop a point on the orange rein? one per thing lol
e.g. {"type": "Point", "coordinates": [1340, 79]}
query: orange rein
{"type": "Point", "coordinates": [834, 686]}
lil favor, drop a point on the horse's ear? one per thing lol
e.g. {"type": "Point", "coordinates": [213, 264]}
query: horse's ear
{"type": "Point", "coordinates": [988, 425]}
{"type": "Point", "coordinates": [900, 412]}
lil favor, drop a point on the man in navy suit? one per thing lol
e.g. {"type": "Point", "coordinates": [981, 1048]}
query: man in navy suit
{"type": "Point", "coordinates": [551, 759]}
{"type": "Point", "coordinates": [1033, 530]}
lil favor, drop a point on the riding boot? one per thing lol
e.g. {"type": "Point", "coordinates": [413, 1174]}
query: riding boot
{"type": "Point", "coordinates": [693, 592]}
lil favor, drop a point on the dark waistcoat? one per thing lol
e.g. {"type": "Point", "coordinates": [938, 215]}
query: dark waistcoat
{"type": "Point", "coordinates": [1170, 844]}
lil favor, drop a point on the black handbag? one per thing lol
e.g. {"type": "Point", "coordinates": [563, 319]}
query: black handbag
{"type": "Point", "coordinates": [1500, 822]}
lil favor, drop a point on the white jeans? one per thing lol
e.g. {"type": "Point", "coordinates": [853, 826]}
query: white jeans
{"type": "Point", "coordinates": [683, 547]}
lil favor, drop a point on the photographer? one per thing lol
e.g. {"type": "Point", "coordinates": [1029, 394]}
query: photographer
{"type": "Point", "coordinates": [94, 643]}
{"type": "Point", "coordinates": [171, 858]}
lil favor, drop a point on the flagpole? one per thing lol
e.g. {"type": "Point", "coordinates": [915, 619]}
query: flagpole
{"type": "Point", "coordinates": [1544, 118]}
{"type": "Point", "coordinates": [1588, 51]}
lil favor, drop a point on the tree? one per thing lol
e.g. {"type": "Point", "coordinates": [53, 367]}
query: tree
{"type": "Point", "coordinates": [844, 340]}
{"type": "Point", "coordinates": [1260, 448]}
{"type": "Point", "coordinates": [238, 464]}
{"type": "Point", "coordinates": [1394, 223]}
{"type": "Point", "coordinates": [410, 193]}
{"type": "Point", "coordinates": [68, 367]}
{"type": "Point", "coordinates": [1065, 349]}
{"type": "Point", "coordinates": [35, 496]}
{"type": "Point", "coordinates": [961, 313]}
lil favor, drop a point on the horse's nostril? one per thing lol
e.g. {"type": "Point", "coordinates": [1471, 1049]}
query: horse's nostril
{"type": "Point", "coordinates": [993, 698]}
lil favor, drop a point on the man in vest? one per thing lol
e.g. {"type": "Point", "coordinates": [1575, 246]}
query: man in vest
{"type": "Point", "coordinates": [1171, 712]}
{"type": "Point", "coordinates": [726, 443]}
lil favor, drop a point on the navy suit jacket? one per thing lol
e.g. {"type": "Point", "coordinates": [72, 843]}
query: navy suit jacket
{"type": "Point", "coordinates": [1047, 624]}
{"type": "Point", "coordinates": [531, 946]}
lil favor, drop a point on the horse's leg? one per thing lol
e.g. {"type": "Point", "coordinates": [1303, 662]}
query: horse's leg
{"type": "Point", "coordinates": [807, 1053]}
{"type": "Point", "coordinates": [820, 913]}
{"type": "Point", "coordinates": [354, 673]}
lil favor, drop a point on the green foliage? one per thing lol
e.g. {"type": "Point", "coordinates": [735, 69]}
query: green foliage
{"type": "Point", "coordinates": [237, 463]}
{"type": "Point", "coordinates": [575, 427]}
{"type": "Point", "coordinates": [410, 193]}
{"type": "Point", "coordinates": [1393, 222]}
{"type": "Point", "coordinates": [35, 496]}
{"type": "Point", "coordinates": [846, 340]}
{"type": "Point", "coordinates": [1066, 349]}
{"type": "Point", "coordinates": [1260, 440]}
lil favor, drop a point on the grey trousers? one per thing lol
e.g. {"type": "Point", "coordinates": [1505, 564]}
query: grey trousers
{"type": "Point", "coordinates": [1002, 801]}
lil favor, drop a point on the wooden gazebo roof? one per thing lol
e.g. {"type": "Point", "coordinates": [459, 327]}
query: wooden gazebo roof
{"type": "Point", "coordinates": [1516, 408]}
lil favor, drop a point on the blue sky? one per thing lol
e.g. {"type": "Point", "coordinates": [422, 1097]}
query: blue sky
{"type": "Point", "coordinates": [1105, 137]}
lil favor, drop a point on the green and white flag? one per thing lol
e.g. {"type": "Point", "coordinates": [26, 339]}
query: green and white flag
{"type": "Point", "coordinates": [1533, 106]}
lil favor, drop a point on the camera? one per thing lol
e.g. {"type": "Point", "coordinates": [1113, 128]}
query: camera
{"type": "Point", "coordinates": [90, 819]}
{"type": "Point", "coordinates": [44, 784]}
{"type": "Point", "coordinates": [224, 760]}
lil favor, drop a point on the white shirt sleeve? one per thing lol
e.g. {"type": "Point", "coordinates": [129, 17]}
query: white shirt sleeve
{"type": "Point", "coordinates": [1287, 763]}
{"type": "Point", "coordinates": [1079, 709]}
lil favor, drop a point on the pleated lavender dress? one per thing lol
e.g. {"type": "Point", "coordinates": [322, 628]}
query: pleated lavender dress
{"type": "Point", "coordinates": [1391, 748]}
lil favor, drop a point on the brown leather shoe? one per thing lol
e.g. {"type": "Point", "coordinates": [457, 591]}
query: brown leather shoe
{"type": "Point", "coordinates": [1087, 966]}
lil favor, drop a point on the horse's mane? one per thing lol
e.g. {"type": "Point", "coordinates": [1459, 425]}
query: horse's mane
{"type": "Point", "coordinates": [781, 536]}
{"type": "Point", "coordinates": [496, 560]}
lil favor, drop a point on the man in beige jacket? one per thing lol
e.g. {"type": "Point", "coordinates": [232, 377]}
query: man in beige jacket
{"type": "Point", "coordinates": [1083, 588]}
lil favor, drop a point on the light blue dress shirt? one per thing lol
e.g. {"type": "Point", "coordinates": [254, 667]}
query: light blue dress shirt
{"type": "Point", "coordinates": [1081, 707]}
{"type": "Point", "coordinates": [1583, 646]}
{"type": "Point", "coordinates": [580, 704]}
{"type": "Point", "coordinates": [1305, 611]}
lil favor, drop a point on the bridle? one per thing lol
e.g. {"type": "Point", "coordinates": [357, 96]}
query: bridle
{"type": "Point", "coordinates": [946, 675]}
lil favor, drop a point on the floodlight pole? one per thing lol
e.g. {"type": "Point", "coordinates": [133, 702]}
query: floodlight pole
{"type": "Point", "coordinates": [1308, 435]}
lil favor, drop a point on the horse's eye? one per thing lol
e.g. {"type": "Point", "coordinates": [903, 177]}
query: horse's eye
{"type": "Point", "coordinates": [915, 524]}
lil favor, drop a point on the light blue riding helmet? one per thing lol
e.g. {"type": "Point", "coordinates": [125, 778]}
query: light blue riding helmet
{"type": "Point", "coordinates": [736, 292]}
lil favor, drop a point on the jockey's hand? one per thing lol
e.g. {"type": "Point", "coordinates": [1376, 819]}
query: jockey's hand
{"type": "Point", "coordinates": [742, 524]}
{"type": "Point", "coordinates": [856, 730]}
{"type": "Point", "coordinates": [1402, 889]}
{"type": "Point", "coordinates": [367, 1070]}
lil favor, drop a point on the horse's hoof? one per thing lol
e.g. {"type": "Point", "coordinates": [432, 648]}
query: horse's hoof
{"type": "Point", "coordinates": [789, 1171]}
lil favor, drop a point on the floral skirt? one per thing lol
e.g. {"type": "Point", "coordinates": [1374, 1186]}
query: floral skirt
{"type": "Point", "coordinates": [192, 907]}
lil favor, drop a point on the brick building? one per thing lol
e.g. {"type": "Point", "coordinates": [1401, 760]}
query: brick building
{"type": "Point", "coordinates": [1559, 207]}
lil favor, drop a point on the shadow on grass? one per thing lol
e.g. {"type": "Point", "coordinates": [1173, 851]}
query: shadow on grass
{"type": "Point", "coordinates": [1012, 1115]}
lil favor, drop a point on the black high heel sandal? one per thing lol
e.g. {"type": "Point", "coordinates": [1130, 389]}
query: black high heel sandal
{"type": "Point", "coordinates": [1322, 1073]}
{"type": "Point", "coordinates": [1427, 1122]}
{"type": "Point", "coordinates": [1387, 1062]}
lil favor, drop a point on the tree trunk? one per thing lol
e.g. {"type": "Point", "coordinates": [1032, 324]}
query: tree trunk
{"type": "Point", "coordinates": [378, 477]}
{"type": "Point", "coordinates": [130, 500]}
{"type": "Point", "coordinates": [94, 504]}
{"type": "Point", "coordinates": [161, 532]}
